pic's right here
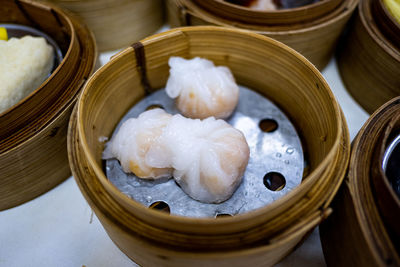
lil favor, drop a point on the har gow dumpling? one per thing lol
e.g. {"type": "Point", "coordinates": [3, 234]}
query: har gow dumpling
{"type": "Point", "coordinates": [208, 156]}
{"type": "Point", "coordinates": [134, 139]}
{"type": "Point", "coordinates": [201, 89]}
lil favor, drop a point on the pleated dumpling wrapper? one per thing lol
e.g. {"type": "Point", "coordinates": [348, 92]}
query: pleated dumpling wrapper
{"type": "Point", "coordinates": [207, 158]}
{"type": "Point", "coordinates": [201, 89]}
{"type": "Point", "coordinates": [24, 64]}
{"type": "Point", "coordinates": [133, 140]}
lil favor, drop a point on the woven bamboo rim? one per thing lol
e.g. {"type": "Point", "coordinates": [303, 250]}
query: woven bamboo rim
{"type": "Point", "coordinates": [315, 39]}
{"type": "Point", "coordinates": [116, 24]}
{"type": "Point", "coordinates": [283, 16]}
{"type": "Point", "coordinates": [33, 157]}
{"type": "Point", "coordinates": [152, 237]}
{"type": "Point", "coordinates": [368, 62]}
{"type": "Point", "coordinates": [190, 10]}
{"type": "Point", "coordinates": [355, 233]}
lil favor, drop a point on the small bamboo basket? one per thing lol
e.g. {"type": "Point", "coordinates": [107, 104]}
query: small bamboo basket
{"type": "Point", "coordinates": [117, 23]}
{"type": "Point", "coordinates": [33, 155]}
{"type": "Point", "coordinates": [364, 229]}
{"type": "Point", "coordinates": [312, 30]}
{"type": "Point", "coordinates": [369, 58]}
{"type": "Point", "coordinates": [261, 237]}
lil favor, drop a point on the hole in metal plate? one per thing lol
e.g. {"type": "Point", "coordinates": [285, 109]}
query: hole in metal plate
{"type": "Point", "coordinates": [154, 106]}
{"type": "Point", "coordinates": [161, 206]}
{"type": "Point", "coordinates": [221, 215]}
{"type": "Point", "coordinates": [274, 181]}
{"type": "Point", "coordinates": [279, 151]}
{"type": "Point", "coordinates": [268, 125]}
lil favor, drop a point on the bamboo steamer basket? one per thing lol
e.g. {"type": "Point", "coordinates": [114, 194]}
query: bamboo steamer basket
{"type": "Point", "coordinates": [117, 23]}
{"type": "Point", "coordinates": [33, 155]}
{"type": "Point", "coordinates": [262, 237]}
{"type": "Point", "coordinates": [63, 32]}
{"type": "Point", "coordinates": [359, 233]}
{"type": "Point", "coordinates": [312, 30]}
{"type": "Point", "coordinates": [369, 58]}
{"type": "Point", "coordinates": [274, 17]}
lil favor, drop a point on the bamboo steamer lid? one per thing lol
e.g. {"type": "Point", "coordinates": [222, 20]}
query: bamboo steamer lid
{"type": "Point", "coordinates": [369, 58]}
{"type": "Point", "coordinates": [359, 233]}
{"type": "Point", "coordinates": [33, 156]}
{"type": "Point", "coordinates": [312, 30]}
{"type": "Point", "coordinates": [117, 23]}
{"type": "Point", "coordinates": [261, 237]}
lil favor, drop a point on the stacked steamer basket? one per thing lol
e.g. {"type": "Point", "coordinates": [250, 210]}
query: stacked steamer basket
{"type": "Point", "coordinates": [364, 229]}
{"type": "Point", "coordinates": [33, 154]}
{"type": "Point", "coordinates": [312, 30]}
{"type": "Point", "coordinates": [117, 23]}
{"type": "Point", "coordinates": [260, 237]}
{"type": "Point", "coordinates": [369, 59]}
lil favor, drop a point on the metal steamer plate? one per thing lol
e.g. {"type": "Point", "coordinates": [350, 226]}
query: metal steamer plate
{"type": "Point", "coordinates": [275, 167]}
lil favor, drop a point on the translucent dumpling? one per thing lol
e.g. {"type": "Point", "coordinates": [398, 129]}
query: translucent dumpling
{"type": "Point", "coordinates": [208, 156]}
{"type": "Point", "coordinates": [133, 140]}
{"type": "Point", "coordinates": [201, 89]}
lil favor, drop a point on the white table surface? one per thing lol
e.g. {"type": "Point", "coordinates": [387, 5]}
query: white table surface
{"type": "Point", "coordinates": [59, 228]}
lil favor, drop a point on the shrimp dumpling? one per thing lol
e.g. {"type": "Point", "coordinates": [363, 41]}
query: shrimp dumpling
{"type": "Point", "coordinates": [208, 156]}
{"type": "Point", "coordinates": [134, 139]}
{"type": "Point", "coordinates": [201, 89]}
